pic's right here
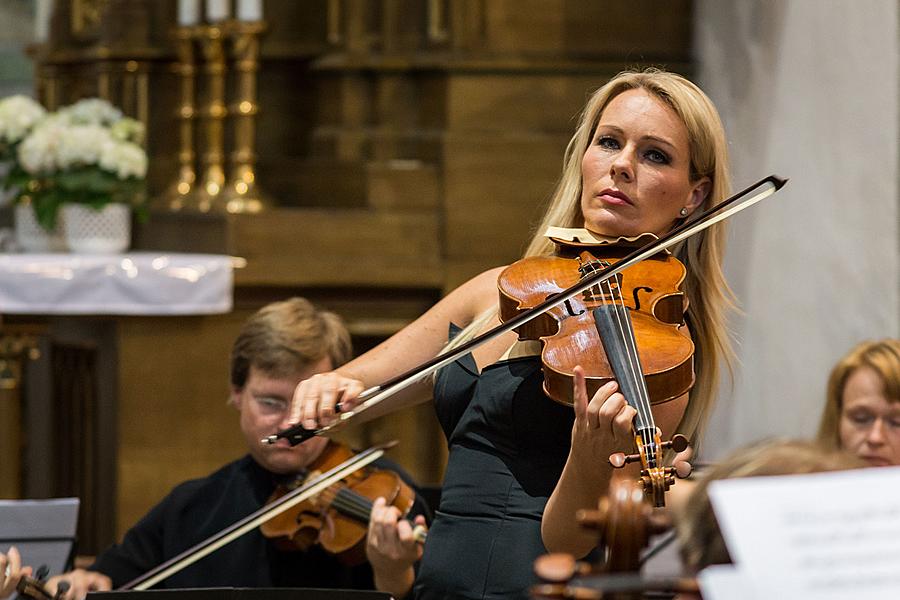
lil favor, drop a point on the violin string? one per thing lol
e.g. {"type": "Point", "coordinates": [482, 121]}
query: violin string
{"type": "Point", "coordinates": [350, 504]}
{"type": "Point", "coordinates": [635, 363]}
{"type": "Point", "coordinates": [353, 504]}
{"type": "Point", "coordinates": [620, 320]}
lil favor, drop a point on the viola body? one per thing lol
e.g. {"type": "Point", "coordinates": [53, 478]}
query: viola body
{"type": "Point", "coordinates": [338, 517]}
{"type": "Point", "coordinates": [651, 289]}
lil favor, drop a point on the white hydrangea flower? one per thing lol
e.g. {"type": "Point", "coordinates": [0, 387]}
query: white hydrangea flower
{"type": "Point", "coordinates": [38, 151]}
{"type": "Point", "coordinates": [18, 114]}
{"type": "Point", "coordinates": [127, 129]}
{"type": "Point", "coordinates": [124, 159]}
{"type": "Point", "coordinates": [91, 111]}
{"type": "Point", "coordinates": [81, 145]}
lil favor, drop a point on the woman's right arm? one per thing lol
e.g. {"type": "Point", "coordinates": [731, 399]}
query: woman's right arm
{"type": "Point", "coordinates": [315, 398]}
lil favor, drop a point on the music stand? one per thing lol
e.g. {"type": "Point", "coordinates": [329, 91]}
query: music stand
{"type": "Point", "coordinates": [42, 530]}
{"type": "Point", "coordinates": [241, 594]}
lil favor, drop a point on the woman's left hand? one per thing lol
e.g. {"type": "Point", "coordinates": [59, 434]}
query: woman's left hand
{"type": "Point", "coordinates": [602, 425]}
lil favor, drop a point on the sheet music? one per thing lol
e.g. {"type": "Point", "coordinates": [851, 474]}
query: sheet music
{"type": "Point", "coordinates": [824, 536]}
{"type": "Point", "coordinates": [42, 530]}
{"type": "Point", "coordinates": [727, 582]}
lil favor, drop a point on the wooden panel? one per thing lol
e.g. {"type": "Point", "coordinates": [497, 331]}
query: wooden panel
{"type": "Point", "coordinates": [173, 421]}
{"type": "Point", "coordinates": [631, 29]}
{"type": "Point", "coordinates": [331, 248]}
{"type": "Point", "coordinates": [493, 198]}
{"type": "Point", "coordinates": [517, 102]}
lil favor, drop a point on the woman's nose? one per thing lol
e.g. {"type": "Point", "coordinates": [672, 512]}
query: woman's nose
{"type": "Point", "coordinates": [622, 165]}
{"type": "Point", "coordinates": [875, 435]}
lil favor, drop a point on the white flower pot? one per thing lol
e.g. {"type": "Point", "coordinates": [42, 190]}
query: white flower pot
{"type": "Point", "coordinates": [31, 236]}
{"type": "Point", "coordinates": [90, 231]}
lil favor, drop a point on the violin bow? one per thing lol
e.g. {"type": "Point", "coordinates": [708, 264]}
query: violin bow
{"type": "Point", "coordinates": [744, 199]}
{"type": "Point", "coordinates": [234, 531]}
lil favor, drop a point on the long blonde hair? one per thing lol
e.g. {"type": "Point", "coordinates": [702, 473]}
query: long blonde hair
{"type": "Point", "coordinates": [709, 296]}
{"type": "Point", "coordinates": [883, 357]}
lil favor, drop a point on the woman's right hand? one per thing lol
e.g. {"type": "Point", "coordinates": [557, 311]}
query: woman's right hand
{"type": "Point", "coordinates": [316, 399]}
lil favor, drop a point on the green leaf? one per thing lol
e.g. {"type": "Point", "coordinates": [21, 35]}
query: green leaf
{"type": "Point", "coordinates": [46, 207]}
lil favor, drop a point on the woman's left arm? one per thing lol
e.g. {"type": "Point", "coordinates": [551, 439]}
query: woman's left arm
{"type": "Point", "coordinates": [602, 426]}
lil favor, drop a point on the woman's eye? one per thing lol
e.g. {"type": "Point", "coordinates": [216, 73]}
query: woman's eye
{"type": "Point", "coordinates": [860, 418]}
{"type": "Point", "coordinates": [657, 156]}
{"type": "Point", "coordinates": [608, 143]}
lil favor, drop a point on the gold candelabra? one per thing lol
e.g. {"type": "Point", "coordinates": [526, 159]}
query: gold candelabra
{"type": "Point", "coordinates": [241, 193]}
{"type": "Point", "coordinates": [212, 181]}
{"type": "Point", "coordinates": [181, 194]}
{"type": "Point", "coordinates": [212, 191]}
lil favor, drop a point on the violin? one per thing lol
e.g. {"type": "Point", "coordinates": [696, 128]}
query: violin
{"type": "Point", "coordinates": [651, 293]}
{"type": "Point", "coordinates": [630, 327]}
{"type": "Point", "coordinates": [338, 517]}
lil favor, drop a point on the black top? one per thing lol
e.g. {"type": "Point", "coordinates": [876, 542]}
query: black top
{"type": "Point", "coordinates": [195, 510]}
{"type": "Point", "coordinates": [508, 445]}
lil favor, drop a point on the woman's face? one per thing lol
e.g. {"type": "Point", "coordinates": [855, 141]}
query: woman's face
{"type": "Point", "coordinates": [870, 423]}
{"type": "Point", "coordinates": [635, 175]}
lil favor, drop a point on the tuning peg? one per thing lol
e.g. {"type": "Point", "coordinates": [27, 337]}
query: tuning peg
{"type": "Point", "coordinates": [678, 443]}
{"type": "Point", "coordinates": [620, 459]}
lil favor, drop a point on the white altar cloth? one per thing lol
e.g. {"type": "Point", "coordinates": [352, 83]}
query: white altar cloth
{"type": "Point", "coordinates": [136, 283]}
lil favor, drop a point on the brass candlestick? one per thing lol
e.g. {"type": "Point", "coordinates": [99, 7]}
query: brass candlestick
{"type": "Point", "coordinates": [242, 194]}
{"type": "Point", "coordinates": [212, 182]}
{"type": "Point", "coordinates": [181, 194]}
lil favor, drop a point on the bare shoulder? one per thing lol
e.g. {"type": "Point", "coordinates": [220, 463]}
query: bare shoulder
{"type": "Point", "coordinates": [480, 292]}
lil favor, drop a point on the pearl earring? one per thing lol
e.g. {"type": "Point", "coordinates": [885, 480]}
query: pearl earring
{"type": "Point", "coordinates": [683, 212]}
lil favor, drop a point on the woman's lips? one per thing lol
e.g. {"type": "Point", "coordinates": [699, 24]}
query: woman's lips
{"type": "Point", "coordinates": [877, 461]}
{"type": "Point", "coordinates": [611, 196]}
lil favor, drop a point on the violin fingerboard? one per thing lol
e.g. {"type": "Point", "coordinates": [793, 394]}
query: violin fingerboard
{"type": "Point", "coordinates": [614, 326]}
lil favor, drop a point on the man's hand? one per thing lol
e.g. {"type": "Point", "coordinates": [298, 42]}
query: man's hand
{"type": "Point", "coordinates": [80, 583]}
{"type": "Point", "coordinates": [392, 549]}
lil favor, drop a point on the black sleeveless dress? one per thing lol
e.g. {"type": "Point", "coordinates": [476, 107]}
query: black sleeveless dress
{"type": "Point", "coordinates": [508, 444]}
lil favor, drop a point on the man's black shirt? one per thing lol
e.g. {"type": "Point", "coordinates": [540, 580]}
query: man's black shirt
{"type": "Point", "coordinates": [198, 509]}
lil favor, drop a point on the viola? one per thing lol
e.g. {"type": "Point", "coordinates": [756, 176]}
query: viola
{"type": "Point", "coordinates": [337, 518]}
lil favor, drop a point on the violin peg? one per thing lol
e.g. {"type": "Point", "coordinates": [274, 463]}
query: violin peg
{"type": "Point", "coordinates": [617, 460]}
{"type": "Point", "coordinates": [620, 459]}
{"type": "Point", "coordinates": [683, 469]}
{"type": "Point", "coordinates": [678, 443]}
